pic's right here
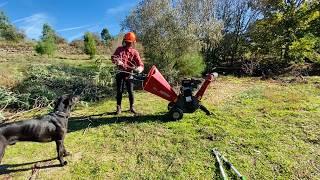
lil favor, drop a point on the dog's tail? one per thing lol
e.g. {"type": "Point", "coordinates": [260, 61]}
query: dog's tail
{"type": "Point", "coordinates": [3, 144]}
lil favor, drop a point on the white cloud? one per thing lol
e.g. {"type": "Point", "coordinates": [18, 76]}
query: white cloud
{"type": "Point", "coordinates": [3, 4]}
{"type": "Point", "coordinates": [120, 9]}
{"type": "Point", "coordinates": [32, 25]}
{"type": "Point", "coordinates": [80, 34]}
{"type": "Point", "coordinates": [73, 28]}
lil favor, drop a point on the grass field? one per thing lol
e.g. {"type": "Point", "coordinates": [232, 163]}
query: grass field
{"type": "Point", "coordinates": [267, 129]}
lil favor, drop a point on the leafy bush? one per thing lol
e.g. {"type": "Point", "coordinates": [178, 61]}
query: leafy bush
{"type": "Point", "coordinates": [7, 31]}
{"type": "Point", "coordinates": [191, 65]}
{"type": "Point", "coordinates": [10, 33]}
{"type": "Point", "coordinates": [47, 45]}
{"type": "Point", "coordinates": [304, 48]}
{"type": "Point", "coordinates": [90, 44]}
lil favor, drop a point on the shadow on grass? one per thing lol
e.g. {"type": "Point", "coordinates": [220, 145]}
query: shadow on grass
{"type": "Point", "coordinates": [10, 168]}
{"type": "Point", "coordinates": [84, 122]}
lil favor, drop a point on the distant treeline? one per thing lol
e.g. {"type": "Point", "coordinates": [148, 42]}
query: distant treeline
{"type": "Point", "coordinates": [254, 37]}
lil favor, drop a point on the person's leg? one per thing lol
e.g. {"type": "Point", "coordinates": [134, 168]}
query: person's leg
{"type": "Point", "coordinates": [120, 83]}
{"type": "Point", "coordinates": [129, 85]}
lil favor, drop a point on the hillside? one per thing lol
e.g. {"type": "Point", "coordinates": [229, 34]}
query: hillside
{"type": "Point", "coordinates": [267, 129]}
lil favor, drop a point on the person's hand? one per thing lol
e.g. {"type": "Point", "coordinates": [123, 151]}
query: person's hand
{"type": "Point", "coordinates": [139, 69]}
{"type": "Point", "coordinates": [119, 63]}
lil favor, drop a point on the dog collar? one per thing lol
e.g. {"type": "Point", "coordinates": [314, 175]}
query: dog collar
{"type": "Point", "coordinates": [62, 114]}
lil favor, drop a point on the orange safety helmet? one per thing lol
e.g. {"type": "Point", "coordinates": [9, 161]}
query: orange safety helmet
{"type": "Point", "coordinates": [130, 37]}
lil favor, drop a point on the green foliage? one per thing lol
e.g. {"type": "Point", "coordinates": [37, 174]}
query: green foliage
{"type": "Point", "coordinates": [105, 36]}
{"type": "Point", "coordinates": [90, 45]}
{"type": "Point", "coordinates": [272, 33]}
{"type": "Point", "coordinates": [7, 31]}
{"type": "Point", "coordinates": [6, 98]}
{"type": "Point", "coordinates": [105, 73]}
{"type": "Point", "coordinates": [49, 33]}
{"type": "Point", "coordinates": [42, 84]}
{"type": "Point", "coordinates": [170, 31]}
{"type": "Point", "coordinates": [47, 44]}
{"type": "Point", "coordinates": [191, 65]}
{"type": "Point", "coordinates": [12, 99]}
{"type": "Point", "coordinates": [304, 47]}
{"type": "Point", "coordinates": [285, 26]}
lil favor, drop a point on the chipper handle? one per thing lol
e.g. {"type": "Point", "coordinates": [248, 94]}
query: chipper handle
{"type": "Point", "coordinates": [205, 85]}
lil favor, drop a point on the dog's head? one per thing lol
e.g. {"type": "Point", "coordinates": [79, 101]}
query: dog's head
{"type": "Point", "coordinates": [65, 102]}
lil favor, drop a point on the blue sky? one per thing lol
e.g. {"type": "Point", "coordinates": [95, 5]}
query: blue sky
{"type": "Point", "coordinates": [70, 18]}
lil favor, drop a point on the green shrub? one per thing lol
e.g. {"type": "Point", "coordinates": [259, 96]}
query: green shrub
{"type": "Point", "coordinates": [47, 44]}
{"type": "Point", "coordinates": [90, 45]}
{"type": "Point", "coordinates": [47, 47]}
{"type": "Point", "coordinates": [7, 31]}
{"type": "Point", "coordinates": [304, 48]}
{"type": "Point", "coordinates": [10, 33]}
{"type": "Point", "coordinates": [191, 65]}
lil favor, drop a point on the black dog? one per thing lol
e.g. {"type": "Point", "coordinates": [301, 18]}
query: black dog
{"type": "Point", "coordinates": [52, 127]}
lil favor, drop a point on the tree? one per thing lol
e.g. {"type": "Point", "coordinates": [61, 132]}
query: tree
{"type": "Point", "coordinates": [89, 44]}
{"type": "Point", "coordinates": [105, 36]}
{"type": "Point", "coordinates": [170, 30]}
{"type": "Point", "coordinates": [285, 26]}
{"type": "Point", "coordinates": [48, 31]}
{"type": "Point", "coordinates": [7, 31]}
{"type": "Point", "coordinates": [47, 43]}
{"type": "Point", "coordinates": [237, 16]}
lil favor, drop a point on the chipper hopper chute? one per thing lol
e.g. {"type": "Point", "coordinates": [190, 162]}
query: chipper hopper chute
{"type": "Point", "coordinates": [186, 101]}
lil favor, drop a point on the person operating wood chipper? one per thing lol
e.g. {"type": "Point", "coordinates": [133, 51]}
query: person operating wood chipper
{"type": "Point", "coordinates": [127, 60]}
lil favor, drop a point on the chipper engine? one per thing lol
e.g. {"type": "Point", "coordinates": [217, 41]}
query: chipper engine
{"type": "Point", "coordinates": [187, 101]}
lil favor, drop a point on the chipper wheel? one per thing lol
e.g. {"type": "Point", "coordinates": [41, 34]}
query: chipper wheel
{"type": "Point", "coordinates": [170, 105]}
{"type": "Point", "coordinates": [176, 114]}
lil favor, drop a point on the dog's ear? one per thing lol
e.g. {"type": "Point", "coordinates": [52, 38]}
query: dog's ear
{"type": "Point", "coordinates": [57, 102]}
{"type": "Point", "coordinates": [66, 99]}
{"type": "Point", "coordinates": [75, 99]}
{"type": "Point", "coordinates": [71, 100]}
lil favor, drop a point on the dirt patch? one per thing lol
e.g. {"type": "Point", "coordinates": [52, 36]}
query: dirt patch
{"type": "Point", "coordinates": [223, 90]}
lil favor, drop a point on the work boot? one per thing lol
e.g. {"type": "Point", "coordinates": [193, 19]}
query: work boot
{"type": "Point", "coordinates": [118, 110]}
{"type": "Point", "coordinates": [133, 110]}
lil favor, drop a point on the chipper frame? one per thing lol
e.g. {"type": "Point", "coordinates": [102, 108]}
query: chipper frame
{"type": "Point", "coordinates": [186, 101]}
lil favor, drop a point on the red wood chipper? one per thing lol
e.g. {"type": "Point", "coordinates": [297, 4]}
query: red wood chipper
{"type": "Point", "coordinates": [186, 101]}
